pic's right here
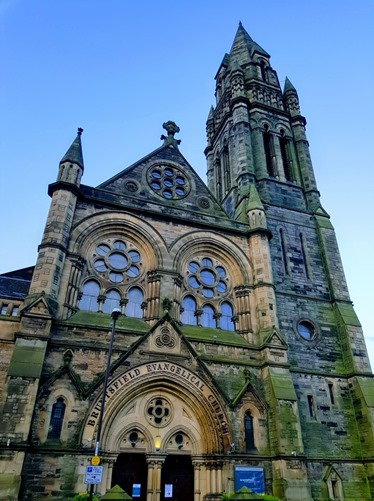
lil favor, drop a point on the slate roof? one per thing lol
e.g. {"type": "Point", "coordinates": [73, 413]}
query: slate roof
{"type": "Point", "coordinates": [15, 284]}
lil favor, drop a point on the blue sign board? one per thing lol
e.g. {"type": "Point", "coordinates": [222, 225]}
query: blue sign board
{"type": "Point", "coordinates": [251, 477]}
{"type": "Point", "coordinates": [136, 490]}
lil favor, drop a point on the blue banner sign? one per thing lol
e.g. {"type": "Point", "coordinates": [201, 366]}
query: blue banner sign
{"type": "Point", "coordinates": [250, 477]}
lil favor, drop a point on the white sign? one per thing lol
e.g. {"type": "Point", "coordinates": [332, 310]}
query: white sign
{"type": "Point", "coordinates": [168, 490]}
{"type": "Point", "coordinates": [94, 475]}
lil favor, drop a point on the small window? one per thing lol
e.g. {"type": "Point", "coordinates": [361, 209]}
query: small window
{"type": "Point", "coordinates": [306, 330]}
{"type": "Point", "coordinates": [207, 317]}
{"type": "Point", "coordinates": [226, 322]}
{"type": "Point", "coordinates": [331, 393]}
{"type": "Point", "coordinates": [311, 405]}
{"type": "Point", "coordinates": [90, 294]}
{"type": "Point", "coordinates": [57, 418]}
{"type": "Point", "coordinates": [248, 432]}
{"type": "Point", "coordinates": [4, 309]}
{"type": "Point", "coordinates": [112, 300]}
{"type": "Point", "coordinates": [188, 316]}
{"type": "Point", "coordinates": [15, 311]}
{"type": "Point", "coordinates": [134, 304]}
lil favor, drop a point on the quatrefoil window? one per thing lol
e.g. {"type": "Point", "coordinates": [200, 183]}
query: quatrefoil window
{"type": "Point", "coordinates": [158, 411]}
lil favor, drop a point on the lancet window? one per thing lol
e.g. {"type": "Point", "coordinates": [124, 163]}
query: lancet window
{"type": "Point", "coordinates": [57, 419]}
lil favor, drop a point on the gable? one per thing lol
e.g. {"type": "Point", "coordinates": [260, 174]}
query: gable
{"type": "Point", "coordinates": [164, 182]}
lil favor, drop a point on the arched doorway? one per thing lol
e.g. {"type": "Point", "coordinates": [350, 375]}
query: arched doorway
{"type": "Point", "coordinates": [130, 473]}
{"type": "Point", "coordinates": [177, 482]}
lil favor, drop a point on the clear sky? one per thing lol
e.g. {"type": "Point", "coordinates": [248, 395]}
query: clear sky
{"type": "Point", "coordinates": [120, 68]}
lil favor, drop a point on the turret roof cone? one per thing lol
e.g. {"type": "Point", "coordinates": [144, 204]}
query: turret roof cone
{"type": "Point", "coordinates": [288, 86]}
{"type": "Point", "coordinates": [74, 153]}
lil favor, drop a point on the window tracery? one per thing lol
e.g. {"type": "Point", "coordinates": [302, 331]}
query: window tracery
{"type": "Point", "coordinates": [208, 280]}
{"type": "Point", "coordinates": [115, 263]}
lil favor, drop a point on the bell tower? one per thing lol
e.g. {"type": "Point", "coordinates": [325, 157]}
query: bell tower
{"type": "Point", "coordinates": [255, 132]}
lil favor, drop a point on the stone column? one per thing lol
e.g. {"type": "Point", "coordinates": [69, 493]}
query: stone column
{"type": "Point", "coordinates": [213, 479]}
{"type": "Point", "coordinates": [155, 462]}
{"type": "Point", "coordinates": [197, 471]}
{"type": "Point", "coordinates": [151, 466]}
{"type": "Point", "coordinates": [219, 477]}
{"type": "Point", "coordinates": [208, 475]}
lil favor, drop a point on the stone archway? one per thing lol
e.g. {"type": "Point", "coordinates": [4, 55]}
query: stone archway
{"type": "Point", "coordinates": [169, 416]}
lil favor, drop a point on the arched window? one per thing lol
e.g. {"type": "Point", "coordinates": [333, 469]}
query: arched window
{"type": "Point", "coordinates": [57, 418]}
{"type": "Point", "coordinates": [248, 432]}
{"type": "Point", "coordinates": [188, 316]}
{"type": "Point", "coordinates": [112, 300]}
{"type": "Point", "coordinates": [134, 303]}
{"type": "Point", "coordinates": [268, 148]}
{"type": "Point", "coordinates": [90, 294]}
{"type": "Point", "coordinates": [284, 251]}
{"type": "Point", "coordinates": [226, 322]}
{"type": "Point", "coordinates": [207, 317]}
{"type": "Point", "coordinates": [218, 177]}
{"type": "Point", "coordinates": [263, 71]}
{"type": "Point", "coordinates": [283, 143]}
{"type": "Point", "coordinates": [226, 168]}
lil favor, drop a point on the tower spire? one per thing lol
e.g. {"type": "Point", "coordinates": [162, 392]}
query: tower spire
{"type": "Point", "coordinates": [74, 154]}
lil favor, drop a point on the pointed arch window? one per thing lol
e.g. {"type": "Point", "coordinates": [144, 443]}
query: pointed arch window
{"type": "Point", "coordinates": [188, 315]}
{"type": "Point", "coordinates": [226, 168]}
{"type": "Point", "coordinates": [226, 321]}
{"type": "Point", "coordinates": [135, 299]}
{"type": "Point", "coordinates": [248, 432]}
{"type": "Point", "coordinates": [217, 167]}
{"type": "Point", "coordinates": [263, 71]}
{"type": "Point", "coordinates": [284, 252]}
{"type": "Point", "coordinates": [268, 149]}
{"type": "Point", "coordinates": [112, 300]}
{"type": "Point", "coordinates": [90, 293]}
{"type": "Point", "coordinates": [283, 143]}
{"type": "Point", "coordinates": [57, 418]}
{"type": "Point", "coordinates": [207, 317]}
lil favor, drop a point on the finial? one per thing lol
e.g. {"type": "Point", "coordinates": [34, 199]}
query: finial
{"type": "Point", "coordinates": [171, 128]}
{"type": "Point", "coordinates": [80, 130]}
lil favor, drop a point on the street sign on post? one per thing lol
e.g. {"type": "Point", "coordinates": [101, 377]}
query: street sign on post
{"type": "Point", "coordinates": [94, 475]}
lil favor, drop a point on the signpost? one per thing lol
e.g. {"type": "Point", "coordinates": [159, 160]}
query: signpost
{"type": "Point", "coordinates": [94, 475]}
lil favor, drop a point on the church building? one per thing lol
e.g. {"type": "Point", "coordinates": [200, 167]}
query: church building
{"type": "Point", "coordinates": [237, 358]}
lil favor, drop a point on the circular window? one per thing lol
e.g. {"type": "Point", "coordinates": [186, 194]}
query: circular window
{"type": "Point", "coordinates": [171, 178]}
{"type": "Point", "coordinates": [116, 262]}
{"type": "Point", "coordinates": [306, 330]}
{"type": "Point", "coordinates": [208, 278]}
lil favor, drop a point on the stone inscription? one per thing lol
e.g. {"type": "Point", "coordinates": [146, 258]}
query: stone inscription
{"type": "Point", "coordinates": [175, 371]}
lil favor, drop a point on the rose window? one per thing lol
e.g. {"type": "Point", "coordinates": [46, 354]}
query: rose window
{"type": "Point", "coordinates": [158, 411]}
{"type": "Point", "coordinates": [168, 182]}
{"type": "Point", "coordinates": [116, 261]}
{"type": "Point", "coordinates": [206, 277]}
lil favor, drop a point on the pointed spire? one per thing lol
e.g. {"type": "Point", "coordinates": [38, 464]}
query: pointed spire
{"type": "Point", "coordinates": [74, 153]}
{"type": "Point", "coordinates": [254, 200]}
{"type": "Point", "coordinates": [243, 46]}
{"type": "Point", "coordinates": [211, 114]}
{"type": "Point", "coordinates": [288, 86]}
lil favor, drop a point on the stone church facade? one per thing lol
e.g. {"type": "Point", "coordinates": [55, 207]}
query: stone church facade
{"type": "Point", "coordinates": [237, 357]}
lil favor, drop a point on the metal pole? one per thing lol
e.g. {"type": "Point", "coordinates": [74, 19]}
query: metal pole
{"type": "Point", "coordinates": [116, 313]}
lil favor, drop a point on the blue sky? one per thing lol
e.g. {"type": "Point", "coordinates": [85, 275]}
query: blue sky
{"type": "Point", "coordinates": [120, 68]}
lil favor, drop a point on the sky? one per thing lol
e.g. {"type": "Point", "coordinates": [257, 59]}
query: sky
{"type": "Point", "coordinates": [120, 68]}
